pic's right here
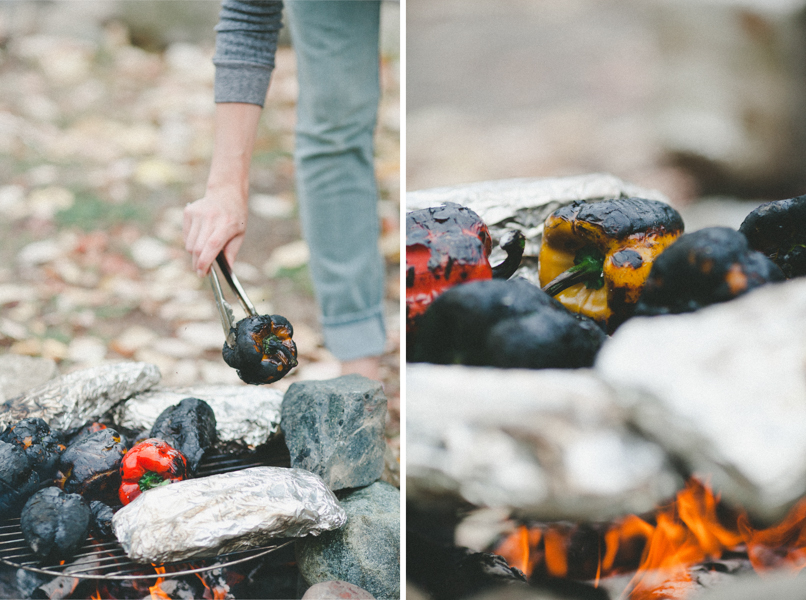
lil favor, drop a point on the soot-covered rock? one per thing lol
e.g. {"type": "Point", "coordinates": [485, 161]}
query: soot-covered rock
{"type": "Point", "coordinates": [18, 480]}
{"type": "Point", "coordinates": [264, 351]}
{"type": "Point", "coordinates": [778, 229]}
{"type": "Point", "coordinates": [366, 551]}
{"type": "Point", "coordinates": [101, 519]}
{"type": "Point", "coordinates": [91, 465]}
{"type": "Point", "coordinates": [505, 324]}
{"type": "Point", "coordinates": [190, 427]}
{"type": "Point", "coordinates": [705, 267]}
{"type": "Point", "coordinates": [448, 572]}
{"type": "Point", "coordinates": [335, 428]}
{"type": "Point", "coordinates": [55, 524]}
{"type": "Point", "coordinates": [41, 445]}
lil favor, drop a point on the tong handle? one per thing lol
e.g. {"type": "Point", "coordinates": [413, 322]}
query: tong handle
{"type": "Point", "coordinates": [233, 282]}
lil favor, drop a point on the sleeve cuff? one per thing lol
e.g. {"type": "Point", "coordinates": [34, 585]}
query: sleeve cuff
{"type": "Point", "coordinates": [242, 83]}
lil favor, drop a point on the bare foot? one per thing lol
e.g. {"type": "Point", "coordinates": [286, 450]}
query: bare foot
{"type": "Point", "coordinates": [369, 366]}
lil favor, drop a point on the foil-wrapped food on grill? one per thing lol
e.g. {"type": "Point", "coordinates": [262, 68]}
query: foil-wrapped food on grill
{"type": "Point", "coordinates": [224, 513]}
{"type": "Point", "coordinates": [68, 402]}
{"type": "Point", "coordinates": [245, 416]}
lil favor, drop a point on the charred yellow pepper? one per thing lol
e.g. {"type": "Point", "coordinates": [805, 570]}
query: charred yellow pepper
{"type": "Point", "coordinates": [595, 257]}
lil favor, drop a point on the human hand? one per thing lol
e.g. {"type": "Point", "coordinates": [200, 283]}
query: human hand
{"type": "Point", "coordinates": [214, 223]}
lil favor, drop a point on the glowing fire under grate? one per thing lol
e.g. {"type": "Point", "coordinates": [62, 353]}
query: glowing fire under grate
{"type": "Point", "coordinates": [660, 548]}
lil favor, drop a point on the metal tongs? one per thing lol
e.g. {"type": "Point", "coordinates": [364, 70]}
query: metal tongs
{"type": "Point", "coordinates": [224, 309]}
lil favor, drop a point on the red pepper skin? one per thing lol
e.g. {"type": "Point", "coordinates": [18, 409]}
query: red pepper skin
{"type": "Point", "coordinates": [149, 459]}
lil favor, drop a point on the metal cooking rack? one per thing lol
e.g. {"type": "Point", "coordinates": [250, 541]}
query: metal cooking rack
{"type": "Point", "coordinates": [106, 559]}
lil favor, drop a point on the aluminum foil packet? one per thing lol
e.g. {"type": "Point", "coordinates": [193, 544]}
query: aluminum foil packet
{"type": "Point", "coordinates": [71, 400]}
{"type": "Point", "coordinates": [246, 416]}
{"type": "Point", "coordinates": [224, 513]}
{"type": "Point", "coordinates": [524, 204]}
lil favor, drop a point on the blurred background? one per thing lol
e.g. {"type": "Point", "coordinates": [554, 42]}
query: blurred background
{"type": "Point", "coordinates": [701, 99]}
{"type": "Point", "coordinates": [105, 134]}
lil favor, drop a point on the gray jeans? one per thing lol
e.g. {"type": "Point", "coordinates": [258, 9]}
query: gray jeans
{"type": "Point", "coordinates": [336, 44]}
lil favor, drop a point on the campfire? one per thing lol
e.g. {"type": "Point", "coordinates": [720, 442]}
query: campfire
{"type": "Point", "coordinates": [658, 549]}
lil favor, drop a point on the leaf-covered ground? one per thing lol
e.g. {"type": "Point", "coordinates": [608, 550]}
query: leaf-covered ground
{"type": "Point", "coordinates": [101, 146]}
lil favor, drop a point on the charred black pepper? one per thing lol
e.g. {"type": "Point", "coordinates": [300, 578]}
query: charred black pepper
{"type": "Point", "coordinates": [778, 229]}
{"type": "Point", "coordinates": [190, 427]}
{"type": "Point", "coordinates": [55, 524]}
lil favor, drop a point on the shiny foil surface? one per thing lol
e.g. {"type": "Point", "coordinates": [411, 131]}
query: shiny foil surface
{"type": "Point", "coordinates": [223, 513]}
{"type": "Point", "coordinates": [246, 416]}
{"type": "Point", "coordinates": [71, 400]}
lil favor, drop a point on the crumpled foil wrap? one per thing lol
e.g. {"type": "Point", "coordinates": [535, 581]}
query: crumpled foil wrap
{"type": "Point", "coordinates": [246, 416]}
{"type": "Point", "coordinates": [71, 400]}
{"type": "Point", "coordinates": [224, 513]}
{"type": "Point", "coordinates": [524, 204]}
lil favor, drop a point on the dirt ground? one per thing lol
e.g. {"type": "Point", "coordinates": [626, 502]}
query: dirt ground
{"type": "Point", "coordinates": [101, 146]}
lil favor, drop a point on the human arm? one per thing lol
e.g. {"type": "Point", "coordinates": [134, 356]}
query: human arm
{"type": "Point", "coordinates": [246, 41]}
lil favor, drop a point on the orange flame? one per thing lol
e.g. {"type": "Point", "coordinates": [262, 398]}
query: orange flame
{"type": "Point", "coordinates": [686, 532]}
{"type": "Point", "coordinates": [215, 593]}
{"type": "Point", "coordinates": [156, 590]}
{"type": "Point", "coordinates": [96, 595]}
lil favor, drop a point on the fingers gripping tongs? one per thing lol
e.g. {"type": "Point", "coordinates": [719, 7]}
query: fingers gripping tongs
{"type": "Point", "coordinates": [224, 309]}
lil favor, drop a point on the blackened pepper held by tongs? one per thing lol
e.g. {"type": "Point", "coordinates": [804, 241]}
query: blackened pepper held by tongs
{"type": "Point", "coordinates": [259, 347]}
{"type": "Point", "coordinates": [778, 229]}
{"type": "Point", "coordinates": [595, 257]}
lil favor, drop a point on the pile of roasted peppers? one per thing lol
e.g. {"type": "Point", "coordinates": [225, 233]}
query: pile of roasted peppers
{"type": "Point", "coordinates": [65, 484]}
{"type": "Point", "coordinates": [601, 261]}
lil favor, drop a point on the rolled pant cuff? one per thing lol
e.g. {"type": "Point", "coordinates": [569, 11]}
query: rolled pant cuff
{"type": "Point", "coordinates": [356, 339]}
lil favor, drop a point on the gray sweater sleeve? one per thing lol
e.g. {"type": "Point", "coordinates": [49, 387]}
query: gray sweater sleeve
{"type": "Point", "coordinates": [246, 42]}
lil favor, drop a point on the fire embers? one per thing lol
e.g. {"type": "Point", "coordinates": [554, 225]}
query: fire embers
{"type": "Point", "coordinates": [707, 266]}
{"type": "Point", "coordinates": [91, 464]}
{"type": "Point", "coordinates": [508, 324]}
{"type": "Point", "coordinates": [264, 351]}
{"type": "Point", "coordinates": [658, 549]}
{"type": "Point", "coordinates": [595, 257]}
{"type": "Point", "coordinates": [55, 524]}
{"type": "Point", "coordinates": [446, 245]}
{"type": "Point", "coordinates": [778, 229]}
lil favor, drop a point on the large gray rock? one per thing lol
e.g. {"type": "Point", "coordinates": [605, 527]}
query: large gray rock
{"type": "Point", "coordinates": [335, 428]}
{"type": "Point", "coordinates": [366, 551]}
{"type": "Point", "coordinates": [21, 373]}
{"type": "Point", "coordinates": [724, 390]}
{"type": "Point", "coordinates": [548, 444]}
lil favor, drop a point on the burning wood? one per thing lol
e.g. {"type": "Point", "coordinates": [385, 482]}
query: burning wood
{"type": "Point", "coordinates": [659, 549]}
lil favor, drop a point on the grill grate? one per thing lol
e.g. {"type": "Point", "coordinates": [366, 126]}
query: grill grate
{"type": "Point", "coordinates": [106, 559]}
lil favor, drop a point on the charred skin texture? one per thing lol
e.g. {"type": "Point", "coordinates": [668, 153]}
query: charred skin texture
{"type": "Point", "coordinates": [91, 465]}
{"type": "Point", "coordinates": [189, 427]}
{"type": "Point", "coordinates": [42, 446]}
{"type": "Point", "coordinates": [778, 230]}
{"type": "Point", "coordinates": [264, 351]}
{"type": "Point", "coordinates": [705, 267]}
{"type": "Point", "coordinates": [447, 245]}
{"type": "Point", "coordinates": [508, 324]}
{"type": "Point", "coordinates": [101, 524]}
{"type": "Point", "coordinates": [55, 524]}
{"type": "Point", "coordinates": [595, 257]}
{"type": "Point", "coordinates": [149, 464]}
{"type": "Point", "coordinates": [18, 479]}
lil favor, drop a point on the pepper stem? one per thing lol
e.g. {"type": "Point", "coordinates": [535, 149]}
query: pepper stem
{"type": "Point", "coordinates": [151, 480]}
{"type": "Point", "coordinates": [587, 269]}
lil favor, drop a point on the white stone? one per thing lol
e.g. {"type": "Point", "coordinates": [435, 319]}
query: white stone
{"type": "Point", "coordinates": [150, 253]}
{"type": "Point", "coordinates": [87, 351]}
{"type": "Point", "coordinates": [205, 336]}
{"type": "Point", "coordinates": [291, 256]}
{"type": "Point", "coordinates": [725, 389]}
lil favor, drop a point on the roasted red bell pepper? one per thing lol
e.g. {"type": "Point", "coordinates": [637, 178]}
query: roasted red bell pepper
{"type": "Point", "coordinates": [149, 464]}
